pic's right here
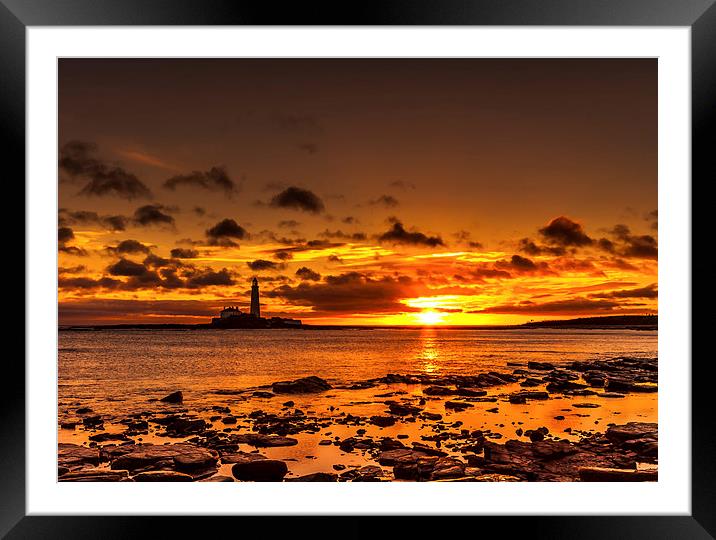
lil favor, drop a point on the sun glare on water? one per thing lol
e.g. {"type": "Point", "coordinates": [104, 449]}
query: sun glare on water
{"type": "Point", "coordinates": [430, 317]}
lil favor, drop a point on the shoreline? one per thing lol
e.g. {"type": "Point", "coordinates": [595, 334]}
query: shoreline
{"type": "Point", "coordinates": [535, 423]}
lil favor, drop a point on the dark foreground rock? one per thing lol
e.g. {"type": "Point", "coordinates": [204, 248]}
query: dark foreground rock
{"type": "Point", "coordinates": [174, 397]}
{"type": "Point", "coordinates": [599, 474]}
{"type": "Point", "coordinates": [256, 468]}
{"type": "Point", "coordinates": [181, 456]}
{"type": "Point", "coordinates": [306, 385]}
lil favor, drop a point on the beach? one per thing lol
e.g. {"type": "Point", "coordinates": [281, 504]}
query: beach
{"type": "Point", "coordinates": [358, 405]}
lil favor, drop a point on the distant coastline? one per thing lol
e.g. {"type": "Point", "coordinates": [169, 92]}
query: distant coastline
{"type": "Point", "coordinates": [628, 322]}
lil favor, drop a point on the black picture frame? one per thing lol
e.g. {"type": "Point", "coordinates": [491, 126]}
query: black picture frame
{"type": "Point", "coordinates": [699, 15]}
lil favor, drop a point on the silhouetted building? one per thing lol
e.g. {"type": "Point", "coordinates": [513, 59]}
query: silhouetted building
{"type": "Point", "coordinates": [233, 317]}
{"type": "Point", "coordinates": [255, 306]}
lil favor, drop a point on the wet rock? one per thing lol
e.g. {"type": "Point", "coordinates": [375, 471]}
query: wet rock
{"type": "Point", "coordinates": [540, 366]}
{"type": "Point", "coordinates": [263, 394]}
{"type": "Point", "coordinates": [315, 477]}
{"type": "Point", "coordinates": [259, 470]}
{"type": "Point", "coordinates": [83, 410]}
{"type": "Point", "coordinates": [402, 409]}
{"type": "Point", "coordinates": [162, 476]}
{"type": "Point", "coordinates": [92, 421]}
{"type": "Point", "coordinates": [104, 437]}
{"type": "Point", "coordinates": [382, 421]}
{"type": "Point", "coordinates": [217, 478]}
{"type": "Point", "coordinates": [94, 475]}
{"type": "Point", "coordinates": [585, 405]}
{"type": "Point", "coordinates": [174, 397]}
{"type": "Point", "coordinates": [229, 420]}
{"type": "Point", "coordinates": [181, 427]}
{"type": "Point", "coordinates": [265, 441]}
{"type": "Point", "coordinates": [564, 386]}
{"type": "Point", "coordinates": [180, 456]}
{"type": "Point", "coordinates": [447, 467]}
{"type": "Point", "coordinates": [530, 382]}
{"type": "Point", "coordinates": [603, 474]}
{"type": "Point", "coordinates": [457, 405]}
{"type": "Point", "coordinates": [470, 392]}
{"type": "Point", "coordinates": [73, 455]}
{"type": "Point", "coordinates": [439, 391]}
{"type": "Point", "coordinates": [431, 416]}
{"type": "Point", "coordinates": [632, 430]}
{"type": "Point", "coordinates": [289, 404]}
{"type": "Point", "coordinates": [70, 424]}
{"type": "Point", "coordinates": [304, 385]}
{"type": "Point", "coordinates": [399, 456]}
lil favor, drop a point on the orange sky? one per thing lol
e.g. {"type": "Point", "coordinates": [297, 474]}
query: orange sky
{"type": "Point", "coordinates": [357, 191]}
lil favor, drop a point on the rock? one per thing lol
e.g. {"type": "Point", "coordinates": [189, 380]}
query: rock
{"type": "Point", "coordinates": [289, 404]}
{"type": "Point", "coordinates": [83, 410]}
{"type": "Point", "coordinates": [431, 416]}
{"type": "Point", "coordinates": [540, 366]}
{"type": "Point", "coordinates": [162, 476]}
{"type": "Point", "coordinates": [73, 455]}
{"type": "Point", "coordinates": [259, 470]}
{"type": "Point", "coordinates": [439, 391]}
{"type": "Point", "coordinates": [304, 385]}
{"type": "Point", "coordinates": [181, 456]}
{"type": "Point", "coordinates": [263, 394]}
{"type": "Point", "coordinates": [564, 386]}
{"type": "Point", "coordinates": [632, 430]}
{"type": "Point", "coordinates": [401, 409]}
{"type": "Point", "coordinates": [70, 424]}
{"type": "Point", "coordinates": [382, 421]}
{"type": "Point", "coordinates": [228, 420]}
{"type": "Point", "coordinates": [265, 441]}
{"type": "Point", "coordinates": [315, 477]}
{"type": "Point", "coordinates": [174, 397]}
{"type": "Point", "coordinates": [94, 475]}
{"type": "Point", "coordinates": [457, 405]}
{"type": "Point", "coordinates": [180, 427]}
{"type": "Point", "coordinates": [399, 456]}
{"type": "Point", "coordinates": [104, 437]}
{"type": "Point", "coordinates": [447, 467]}
{"type": "Point", "coordinates": [603, 474]}
{"type": "Point", "coordinates": [217, 478]}
{"type": "Point", "coordinates": [517, 399]}
{"type": "Point", "coordinates": [92, 421]}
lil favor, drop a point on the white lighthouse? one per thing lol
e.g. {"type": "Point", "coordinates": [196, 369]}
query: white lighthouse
{"type": "Point", "coordinates": [255, 308]}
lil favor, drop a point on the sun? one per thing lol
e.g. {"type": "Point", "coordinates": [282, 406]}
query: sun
{"type": "Point", "coordinates": [430, 317]}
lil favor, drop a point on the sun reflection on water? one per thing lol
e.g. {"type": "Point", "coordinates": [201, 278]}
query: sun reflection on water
{"type": "Point", "coordinates": [429, 353]}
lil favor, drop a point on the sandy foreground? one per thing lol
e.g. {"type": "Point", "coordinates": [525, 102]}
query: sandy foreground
{"type": "Point", "coordinates": [581, 421]}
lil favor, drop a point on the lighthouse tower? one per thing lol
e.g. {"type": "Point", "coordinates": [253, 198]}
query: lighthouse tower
{"type": "Point", "coordinates": [255, 309]}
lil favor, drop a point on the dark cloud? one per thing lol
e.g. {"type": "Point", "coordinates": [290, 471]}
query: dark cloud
{"type": "Point", "coordinates": [153, 214]}
{"type": "Point", "coordinates": [261, 264]}
{"type": "Point", "coordinates": [400, 184]}
{"type": "Point", "coordinates": [385, 200]}
{"type": "Point", "coordinates": [356, 237]}
{"type": "Point", "coordinates": [308, 147]}
{"type": "Point", "coordinates": [398, 235]}
{"type": "Point", "coordinates": [562, 231]}
{"type": "Point", "coordinates": [125, 267]}
{"type": "Point", "coordinates": [522, 265]}
{"type": "Point", "coordinates": [351, 293]}
{"type": "Point", "coordinates": [528, 246]}
{"type": "Point", "coordinates": [575, 306]}
{"type": "Point", "coordinates": [350, 220]}
{"type": "Point", "coordinates": [306, 274]}
{"type": "Point", "coordinates": [184, 253]}
{"type": "Point", "coordinates": [88, 283]}
{"type": "Point", "coordinates": [71, 269]}
{"type": "Point", "coordinates": [64, 236]}
{"type": "Point", "coordinates": [650, 291]}
{"type": "Point", "coordinates": [199, 211]}
{"type": "Point", "coordinates": [288, 224]}
{"type": "Point", "coordinates": [632, 246]}
{"type": "Point", "coordinates": [335, 259]}
{"type": "Point", "coordinates": [208, 278]}
{"type": "Point", "coordinates": [128, 247]}
{"type": "Point", "coordinates": [215, 179]}
{"type": "Point", "coordinates": [84, 217]}
{"type": "Point", "coordinates": [653, 219]}
{"type": "Point", "coordinates": [463, 237]}
{"type": "Point", "coordinates": [298, 199]}
{"type": "Point", "coordinates": [78, 161]}
{"type": "Point", "coordinates": [222, 233]}
{"type": "Point", "coordinates": [283, 255]}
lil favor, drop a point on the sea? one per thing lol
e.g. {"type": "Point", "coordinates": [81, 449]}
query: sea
{"type": "Point", "coordinates": [121, 366]}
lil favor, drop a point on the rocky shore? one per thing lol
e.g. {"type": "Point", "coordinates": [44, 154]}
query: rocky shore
{"type": "Point", "coordinates": [488, 427]}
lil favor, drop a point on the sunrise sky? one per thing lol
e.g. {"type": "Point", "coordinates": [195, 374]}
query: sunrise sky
{"type": "Point", "coordinates": [467, 191]}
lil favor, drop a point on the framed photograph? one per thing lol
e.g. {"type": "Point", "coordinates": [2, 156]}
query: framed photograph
{"type": "Point", "coordinates": [408, 262]}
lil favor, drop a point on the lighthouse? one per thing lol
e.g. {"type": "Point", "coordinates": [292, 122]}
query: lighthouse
{"type": "Point", "coordinates": [255, 309]}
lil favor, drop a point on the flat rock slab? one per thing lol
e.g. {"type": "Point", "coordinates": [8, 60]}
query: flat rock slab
{"type": "Point", "coordinates": [73, 455]}
{"type": "Point", "coordinates": [632, 430]}
{"type": "Point", "coordinates": [182, 455]}
{"type": "Point", "coordinates": [261, 470]}
{"type": "Point", "coordinates": [603, 474]}
{"type": "Point", "coordinates": [315, 477]}
{"type": "Point", "coordinates": [305, 385]}
{"type": "Point", "coordinates": [265, 441]}
{"type": "Point", "coordinates": [162, 476]}
{"type": "Point", "coordinates": [94, 475]}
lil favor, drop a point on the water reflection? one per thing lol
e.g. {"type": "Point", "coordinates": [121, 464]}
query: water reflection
{"type": "Point", "coordinates": [428, 354]}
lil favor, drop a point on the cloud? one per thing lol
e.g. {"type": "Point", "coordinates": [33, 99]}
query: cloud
{"type": "Point", "coordinates": [215, 179]}
{"type": "Point", "coordinates": [398, 235]}
{"type": "Point", "coordinates": [628, 245]}
{"type": "Point", "coordinates": [261, 264]}
{"type": "Point", "coordinates": [653, 219]}
{"type": "Point", "coordinates": [77, 160]}
{"type": "Point", "coordinates": [357, 236]}
{"type": "Point", "coordinates": [288, 224]}
{"type": "Point", "coordinates": [575, 306]}
{"type": "Point", "coordinates": [528, 246]}
{"type": "Point", "coordinates": [65, 235]}
{"type": "Point", "coordinates": [208, 278]}
{"type": "Point", "coordinates": [128, 247]}
{"type": "Point", "coordinates": [350, 220]}
{"type": "Point", "coordinates": [298, 199]}
{"type": "Point", "coordinates": [184, 253]}
{"type": "Point", "coordinates": [125, 267]}
{"type": "Point", "coordinates": [562, 231]}
{"type": "Point", "coordinates": [306, 274]}
{"type": "Point", "coordinates": [153, 214]}
{"type": "Point", "coordinates": [88, 283]}
{"type": "Point", "coordinates": [222, 233]}
{"type": "Point", "coordinates": [84, 217]}
{"type": "Point", "coordinates": [650, 291]}
{"type": "Point", "coordinates": [283, 255]}
{"type": "Point", "coordinates": [308, 147]}
{"type": "Point", "coordinates": [400, 184]}
{"type": "Point", "coordinates": [351, 293]}
{"type": "Point", "coordinates": [384, 200]}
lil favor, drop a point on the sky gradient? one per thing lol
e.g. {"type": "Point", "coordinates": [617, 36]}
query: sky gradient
{"type": "Point", "coordinates": [382, 191]}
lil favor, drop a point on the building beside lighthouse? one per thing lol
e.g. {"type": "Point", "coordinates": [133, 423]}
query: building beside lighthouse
{"type": "Point", "coordinates": [233, 317]}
